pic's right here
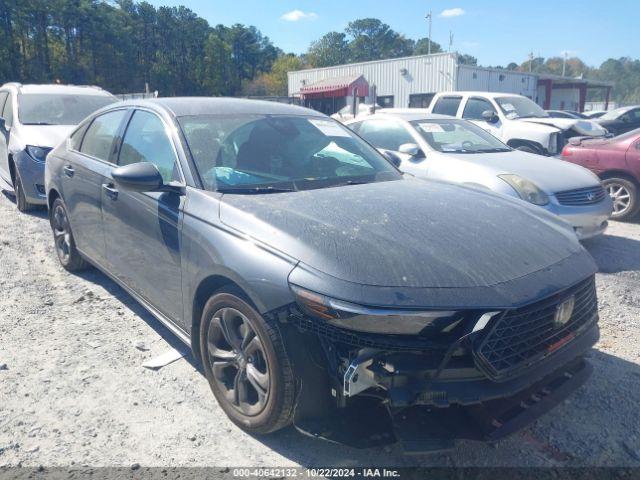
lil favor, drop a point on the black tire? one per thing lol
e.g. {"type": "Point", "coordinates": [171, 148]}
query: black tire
{"type": "Point", "coordinates": [21, 201]}
{"type": "Point", "coordinates": [268, 412]}
{"type": "Point", "coordinates": [65, 244]}
{"type": "Point", "coordinates": [624, 194]}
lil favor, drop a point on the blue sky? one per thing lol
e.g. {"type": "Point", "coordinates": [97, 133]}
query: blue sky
{"type": "Point", "coordinates": [496, 32]}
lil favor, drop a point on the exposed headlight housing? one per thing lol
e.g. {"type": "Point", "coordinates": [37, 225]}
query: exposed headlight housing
{"type": "Point", "coordinates": [373, 320]}
{"type": "Point", "coordinates": [38, 153]}
{"type": "Point", "coordinates": [526, 189]}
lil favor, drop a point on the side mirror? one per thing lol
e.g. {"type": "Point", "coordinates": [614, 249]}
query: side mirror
{"type": "Point", "coordinates": [490, 116]}
{"type": "Point", "coordinates": [138, 177]}
{"type": "Point", "coordinates": [393, 158]}
{"type": "Point", "coordinates": [411, 149]}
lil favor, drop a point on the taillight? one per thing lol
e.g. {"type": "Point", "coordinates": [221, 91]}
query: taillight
{"type": "Point", "coordinates": [566, 152]}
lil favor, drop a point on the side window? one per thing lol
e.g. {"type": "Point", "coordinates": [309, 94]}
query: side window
{"type": "Point", "coordinates": [474, 108]}
{"type": "Point", "coordinates": [7, 112]}
{"type": "Point", "coordinates": [101, 135]}
{"type": "Point", "coordinates": [146, 141]}
{"type": "Point", "coordinates": [76, 137]}
{"type": "Point", "coordinates": [635, 115]}
{"type": "Point", "coordinates": [447, 106]}
{"type": "Point", "coordinates": [385, 134]}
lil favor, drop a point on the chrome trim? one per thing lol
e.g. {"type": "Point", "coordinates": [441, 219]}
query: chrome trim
{"type": "Point", "coordinates": [484, 319]}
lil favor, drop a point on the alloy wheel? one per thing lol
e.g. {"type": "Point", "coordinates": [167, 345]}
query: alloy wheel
{"type": "Point", "coordinates": [621, 198]}
{"type": "Point", "coordinates": [61, 233]}
{"type": "Point", "coordinates": [238, 361]}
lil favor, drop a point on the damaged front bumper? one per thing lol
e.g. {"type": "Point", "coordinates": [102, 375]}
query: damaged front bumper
{"type": "Point", "coordinates": [426, 395]}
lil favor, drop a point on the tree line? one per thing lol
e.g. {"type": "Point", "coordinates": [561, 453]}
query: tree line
{"type": "Point", "coordinates": [125, 46]}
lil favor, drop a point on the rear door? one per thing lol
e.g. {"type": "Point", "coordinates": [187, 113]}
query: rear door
{"type": "Point", "coordinates": [85, 168]}
{"type": "Point", "coordinates": [142, 230]}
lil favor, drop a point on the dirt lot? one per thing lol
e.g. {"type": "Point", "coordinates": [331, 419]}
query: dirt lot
{"type": "Point", "coordinates": [73, 391]}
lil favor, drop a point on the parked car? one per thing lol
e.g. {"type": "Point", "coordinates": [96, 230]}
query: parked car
{"type": "Point", "coordinates": [593, 114]}
{"type": "Point", "coordinates": [514, 119]}
{"type": "Point", "coordinates": [565, 114]}
{"type": "Point", "coordinates": [621, 120]}
{"type": "Point", "coordinates": [616, 161]}
{"type": "Point", "coordinates": [34, 119]}
{"type": "Point", "coordinates": [308, 274]}
{"type": "Point", "coordinates": [445, 148]}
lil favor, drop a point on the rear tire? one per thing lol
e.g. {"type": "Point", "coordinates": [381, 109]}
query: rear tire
{"type": "Point", "coordinates": [624, 194]}
{"type": "Point", "coordinates": [245, 362]}
{"type": "Point", "coordinates": [65, 245]}
{"type": "Point", "coordinates": [21, 200]}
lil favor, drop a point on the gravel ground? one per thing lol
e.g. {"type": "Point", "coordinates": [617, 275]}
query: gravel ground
{"type": "Point", "coordinates": [73, 390]}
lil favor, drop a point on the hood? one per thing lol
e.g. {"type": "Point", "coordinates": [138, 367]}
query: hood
{"type": "Point", "coordinates": [548, 173]}
{"type": "Point", "coordinates": [415, 233]}
{"type": "Point", "coordinates": [44, 135]}
{"type": "Point", "coordinates": [583, 127]}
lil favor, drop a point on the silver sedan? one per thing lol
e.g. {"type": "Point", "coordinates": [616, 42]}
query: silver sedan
{"type": "Point", "coordinates": [449, 149]}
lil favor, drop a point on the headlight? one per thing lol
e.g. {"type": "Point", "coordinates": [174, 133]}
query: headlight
{"type": "Point", "coordinates": [553, 143]}
{"type": "Point", "coordinates": [38, 153]}
{"type": "Point", "coordinates": [526, 189]}
{"type": "Point", "coordinates": [373, 320]}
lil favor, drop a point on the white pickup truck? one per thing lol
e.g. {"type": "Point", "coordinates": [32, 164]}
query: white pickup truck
{"type": "Point", "coordinates": [514, 119]}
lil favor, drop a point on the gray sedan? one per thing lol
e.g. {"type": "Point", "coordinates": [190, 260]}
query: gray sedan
{"type": "Point", "coordinates": [445, 148]}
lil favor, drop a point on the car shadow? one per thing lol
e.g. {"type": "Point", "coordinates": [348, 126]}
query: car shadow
{"type": "Point", "coordinates": [97, 277]}
{"type": "Point", "coordinates": [614, 254]}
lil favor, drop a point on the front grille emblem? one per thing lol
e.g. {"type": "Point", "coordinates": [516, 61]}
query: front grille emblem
{"type": "Point", "coordinates": [591, 196]}
{"type": "Point", "coordinates": [564, 312]}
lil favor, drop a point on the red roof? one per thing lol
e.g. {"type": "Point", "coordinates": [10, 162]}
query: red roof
{"type": "Point", "coordinates": [336, 87]}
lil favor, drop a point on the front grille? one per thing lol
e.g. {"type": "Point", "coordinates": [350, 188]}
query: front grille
{"type": "Point", "coordinates": [581, 196]}
{"type": "Point", "coordinates": [524, 336]}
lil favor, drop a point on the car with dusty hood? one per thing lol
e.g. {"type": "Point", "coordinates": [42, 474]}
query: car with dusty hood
{"type": "Point", "coordinates": [450, 149]}
{"type": "Point", "coordinates": [316, 283]}
{"type": "Point", "coordinates": [516, 120]}
{"type": "Point", "coordinates": [33, 120]}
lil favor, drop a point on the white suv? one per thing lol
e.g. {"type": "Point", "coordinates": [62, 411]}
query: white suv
{"type": "Point", "coordinates": [33, 120]}
{"type": "Point", "coordinates": [516, 120]}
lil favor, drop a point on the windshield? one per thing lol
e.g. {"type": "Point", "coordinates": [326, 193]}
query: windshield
{"type": "Point", "coordinates": [265, 153]}
{"type": "Point", "coordinates": [56, 109]}
{"type": "Point", "coordinates": [520, 107]}
{"type": "Point", "coordinates": [458, 136]}
{"type": "Point", "coordinates": [614, 114]}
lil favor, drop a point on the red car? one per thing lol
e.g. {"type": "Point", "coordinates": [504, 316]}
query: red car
{"type": "Point", "coordinates": [616, 160]}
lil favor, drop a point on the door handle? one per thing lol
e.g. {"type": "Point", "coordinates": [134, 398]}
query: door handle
{"type": "Point", "coordinates": [110, 190]}
{"type": "Point", "coordinates": [68, 170]}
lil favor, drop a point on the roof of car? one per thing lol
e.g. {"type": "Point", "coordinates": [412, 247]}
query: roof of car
{"type": "Point", "coordinates": [186, 106]}
{"type": "Point", "coordinates": [479, 94]}
{"type": "Point", "coordinates": [59, 89]}
{"type": "Point", "coordinates": [408, 114]}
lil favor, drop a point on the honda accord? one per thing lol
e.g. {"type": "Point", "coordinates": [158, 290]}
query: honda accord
{"type": "Point", "coordinates": [310, 276]}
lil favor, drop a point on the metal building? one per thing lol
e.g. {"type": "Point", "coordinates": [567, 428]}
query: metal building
{"type": "Point", "coordinates": [413, 81]}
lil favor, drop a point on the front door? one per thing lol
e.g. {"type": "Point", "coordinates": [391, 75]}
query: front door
{"type": "Point", "coordinates": [142, 230]}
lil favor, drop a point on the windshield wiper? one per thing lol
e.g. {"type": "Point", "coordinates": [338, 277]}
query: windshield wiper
{"type": "Point", "coordinates": [38, 123]}
{"type": "Point", "coordinates": [255, 190]}
{"type": "Point", "coordinates": [493, 150]}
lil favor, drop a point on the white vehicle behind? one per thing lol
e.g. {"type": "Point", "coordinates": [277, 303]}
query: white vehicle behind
{"type": "Point", "coordinates": [516, 120]}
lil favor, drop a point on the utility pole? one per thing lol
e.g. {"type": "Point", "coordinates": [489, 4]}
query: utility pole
{"type": "Point", "coordinates": [428, 16]}
{"type": "Point", "coordinates": [450, 40]}
{"type": "Point", "coordinates": [564, 63]}
{"type": "Point", "coordinates": [531, 61]}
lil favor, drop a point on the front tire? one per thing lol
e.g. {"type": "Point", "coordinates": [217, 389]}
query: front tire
{"type": "Point", "coordinates": [246, 364]}
{"type": "Point", "coordinates": [65, 244]}
{"type": "Point", "coordinates": [624, 194]}
{"type": "Point", "coordinates": [21, 200]}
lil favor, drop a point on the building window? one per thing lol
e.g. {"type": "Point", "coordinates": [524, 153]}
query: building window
{"type": "Point", "coordinates": [420, 100]}
{"type": "Point", "coordinates": [501, 77]}
{"type": "Point", "coordinates": [385, 101]}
